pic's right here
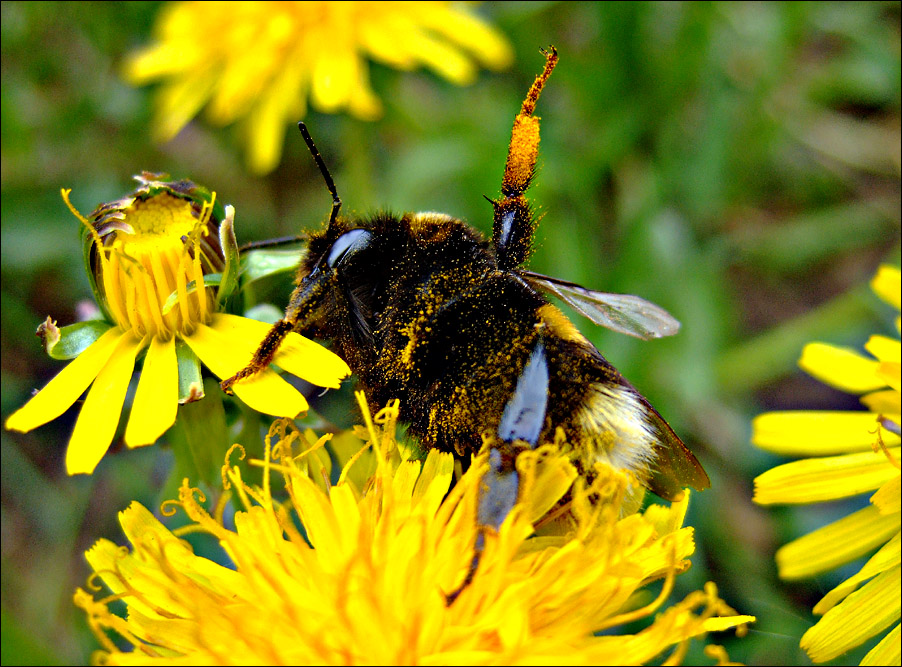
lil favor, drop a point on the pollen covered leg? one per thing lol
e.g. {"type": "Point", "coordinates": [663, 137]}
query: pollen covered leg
{"type": "Point", "coordinates": [263, 356]}
{"type": "Point", "coordinates": [514, 223]}
{"type": "Point", "coordinates": [519, 429]}
{"type": "Point", "coordinates": [500, 488]}
{"type": "Point", "coordinates": [304, 301]}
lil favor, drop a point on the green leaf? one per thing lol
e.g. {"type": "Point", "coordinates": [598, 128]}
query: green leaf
{"type": "Point", "coordinates": [774, 353]}
{"type": "Point", "coordinates": [799, 242]}
{"type": "Point", "coordinates": [258, 264]}
{"type": "Point", "coordinates": [70, 341]}
{"type": "Point", "coordinates": [210, 280]}
{"type": "Point", "coordinates": [191, 384]}
{"type": "Point", "coordinates": [200, 437]}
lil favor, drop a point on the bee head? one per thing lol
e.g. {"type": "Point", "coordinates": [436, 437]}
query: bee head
{"type": "Point", "coordinates": [338, 250]}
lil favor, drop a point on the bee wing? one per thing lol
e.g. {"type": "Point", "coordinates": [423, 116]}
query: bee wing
{"type": "Point", "coordinates": [675, 466]}
{"type": "Point", "coordinates": [624, 313]}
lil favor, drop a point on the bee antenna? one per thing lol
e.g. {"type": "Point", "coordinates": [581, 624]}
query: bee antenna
{"type": "Point", "coordinates": [336, 202]}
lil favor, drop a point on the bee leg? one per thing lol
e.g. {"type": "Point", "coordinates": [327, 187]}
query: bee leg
{"type": "Point", "coordinates": [263, 356]}
{"type": "Point", "coordinates": [521, 422]}
{"type": "Point", "coordinates": [514, 222]}
{"type": "Point", "coordinates": [304, 301]}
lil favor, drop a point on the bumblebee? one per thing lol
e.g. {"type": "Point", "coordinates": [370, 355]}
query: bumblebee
{"type": "Point", "coordinates": [426, 310]}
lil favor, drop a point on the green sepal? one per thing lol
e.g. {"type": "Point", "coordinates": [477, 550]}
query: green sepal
{"type": "Point", "coordinates": [257, 264]}
{"type": "Point", "coordinates": [70, 341]}
{"type": "Point", "coordinates": [210, 280]}
{"type": "Point", "coordinates": [87, 242]}
{"type": "Point", "coordinates": [229, 243]}
{"type": "Point", "coordinates": [191, 383]}
{"type": "Point", "coordinates": [200, 438]}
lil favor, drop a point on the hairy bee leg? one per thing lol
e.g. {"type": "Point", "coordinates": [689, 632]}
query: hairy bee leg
{"type": "Point", "coordinates": [262, 357]}
{"type": "Point", "coordinates": [498, 497]}
{"type": "Point", "coordinates": [514, 222]}
{"type": "Point", "coordinates": [521, 421]}
{"type": "Point", "coordinates": [304, 301]}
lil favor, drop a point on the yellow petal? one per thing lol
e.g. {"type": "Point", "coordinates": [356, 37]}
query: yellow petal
{"type": "Point", "coordinates": [800, 433]}
{"type": "Point", "coordinates": [266, 392]}
{"type": "Point", "coordinates": [444, 59]}
{"type": "Point", "coordinates": [886, 500]}
{"type": "Point", "coordinates": [885, 348]}
{"type": "Point", "coordinates": [179, 101]}
{"type": "Point", "coordinates": [297, 355]}
{"type": "Point", "coordinates": [862, 615]}
{"type": "Point", "coordinates": [891, 373]}
{"type": "Point", "coordinates": [433, 482]}
{"type": "Point", "coordinates": [886, 558]}
{"type": "Point", "coordinates": [887, 652]}
{"type": "Point", "coordinates": [817, 480]}
{"type": "Point", "coordinates": [107, 558]}
{"type": "Point", "coordinates": [486, 44]}
{"type": "Point", "coordinates": [721, 623]}
{"type": "Point", "coordinates": [265, 127]}
{"type": "Point", "coordinates": [884, 402]}
{"type": "Point", "coordinates": [156, 400]}
{"type": "Point", "coordinates": [836, 544]}
{"type": "Point", "coordinates": [552, 478]}
{"type": "Point", "coordinates": [63, 390]}
{"type": "Point", "coordinates": [840, 367]}
{"type": "Point", "coordinates": [886, 285]}
{"type": "Point", "coordinates": [333, 75]}
{"type": "Point", "coordinates": [99, 416]}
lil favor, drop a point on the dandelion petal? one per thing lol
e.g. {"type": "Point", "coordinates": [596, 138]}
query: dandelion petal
{"type": "Point", "coordinates": [835, 544]}
{"type": "Point", "coordinates": [297, 355]}
{"type": "Point", "coordinates": [225, 355]}
{"type": "Point", "coordinates": [840, 367]}
{"type": "Point", "coordinates": [887, 652]}
{"type": "Point", "coordinates": [99, 416]}
{"type": "Point", "coordinates": [156, 400]}
{"type": "Point", "coordinates": [822, 479]}
{"type": "Point", "coordinates": [886, 285]}
{"type": "Point", "coordinates": [886, 558]}
{"type": "Point", "coordinates": [817, 433]}
{"type": "Point", "coordinates": [63, 390]}
{"type": "Point", "coordinates": [866, 612]}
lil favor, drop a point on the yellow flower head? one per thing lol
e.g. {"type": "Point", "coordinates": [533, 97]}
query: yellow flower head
{"type": "Point", "coordinates": [365, 579]}
{"type": "Point", "coordinates": [259, 61]}
{"type": "Point", "coordinates": [162, 263]}
{"type": "Point", "coordinates": [859, 453]}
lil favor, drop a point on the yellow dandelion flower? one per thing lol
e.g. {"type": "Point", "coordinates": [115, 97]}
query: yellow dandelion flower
{"type": "Point", "coordinates": [260, 61]}
{"type": "Point", "coordinates": [367, 580]}
{"type": "Point", "coordinates": [858, 452]}
{"type": "Point", "coordinates": [156, 259]}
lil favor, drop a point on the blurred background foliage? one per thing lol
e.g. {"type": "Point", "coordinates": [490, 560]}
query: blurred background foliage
{"type": "Point", "coordinates": [737, 163]}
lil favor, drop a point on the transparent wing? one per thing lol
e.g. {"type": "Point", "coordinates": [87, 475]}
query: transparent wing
{"type": "Point", "coordinates": [624, 313]}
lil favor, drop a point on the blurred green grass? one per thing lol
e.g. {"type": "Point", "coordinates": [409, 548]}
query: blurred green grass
{"type": "Point", "coordinates": [737, 163]}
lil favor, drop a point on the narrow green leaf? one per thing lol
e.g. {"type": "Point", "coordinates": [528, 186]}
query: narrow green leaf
{"type": "Point", "coordinates": [200, 437]}
{"type": "Point", "coordinates": [210, 280]}
{"type": "Point", "coordinates": [258, 264]}
{"type": "Point", "coordinates": [774, 353]}
{"type": "Point", "coordinates": [70, 341]}
{"type": "Point", "coordinates": [191, 385]}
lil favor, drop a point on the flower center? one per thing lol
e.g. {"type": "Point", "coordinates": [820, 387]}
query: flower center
{"type": "Point", "coordinates": [149, 257]}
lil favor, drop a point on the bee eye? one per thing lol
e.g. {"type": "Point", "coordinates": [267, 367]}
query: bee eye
{"type": "Point", "coordinates": [346, 245]}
